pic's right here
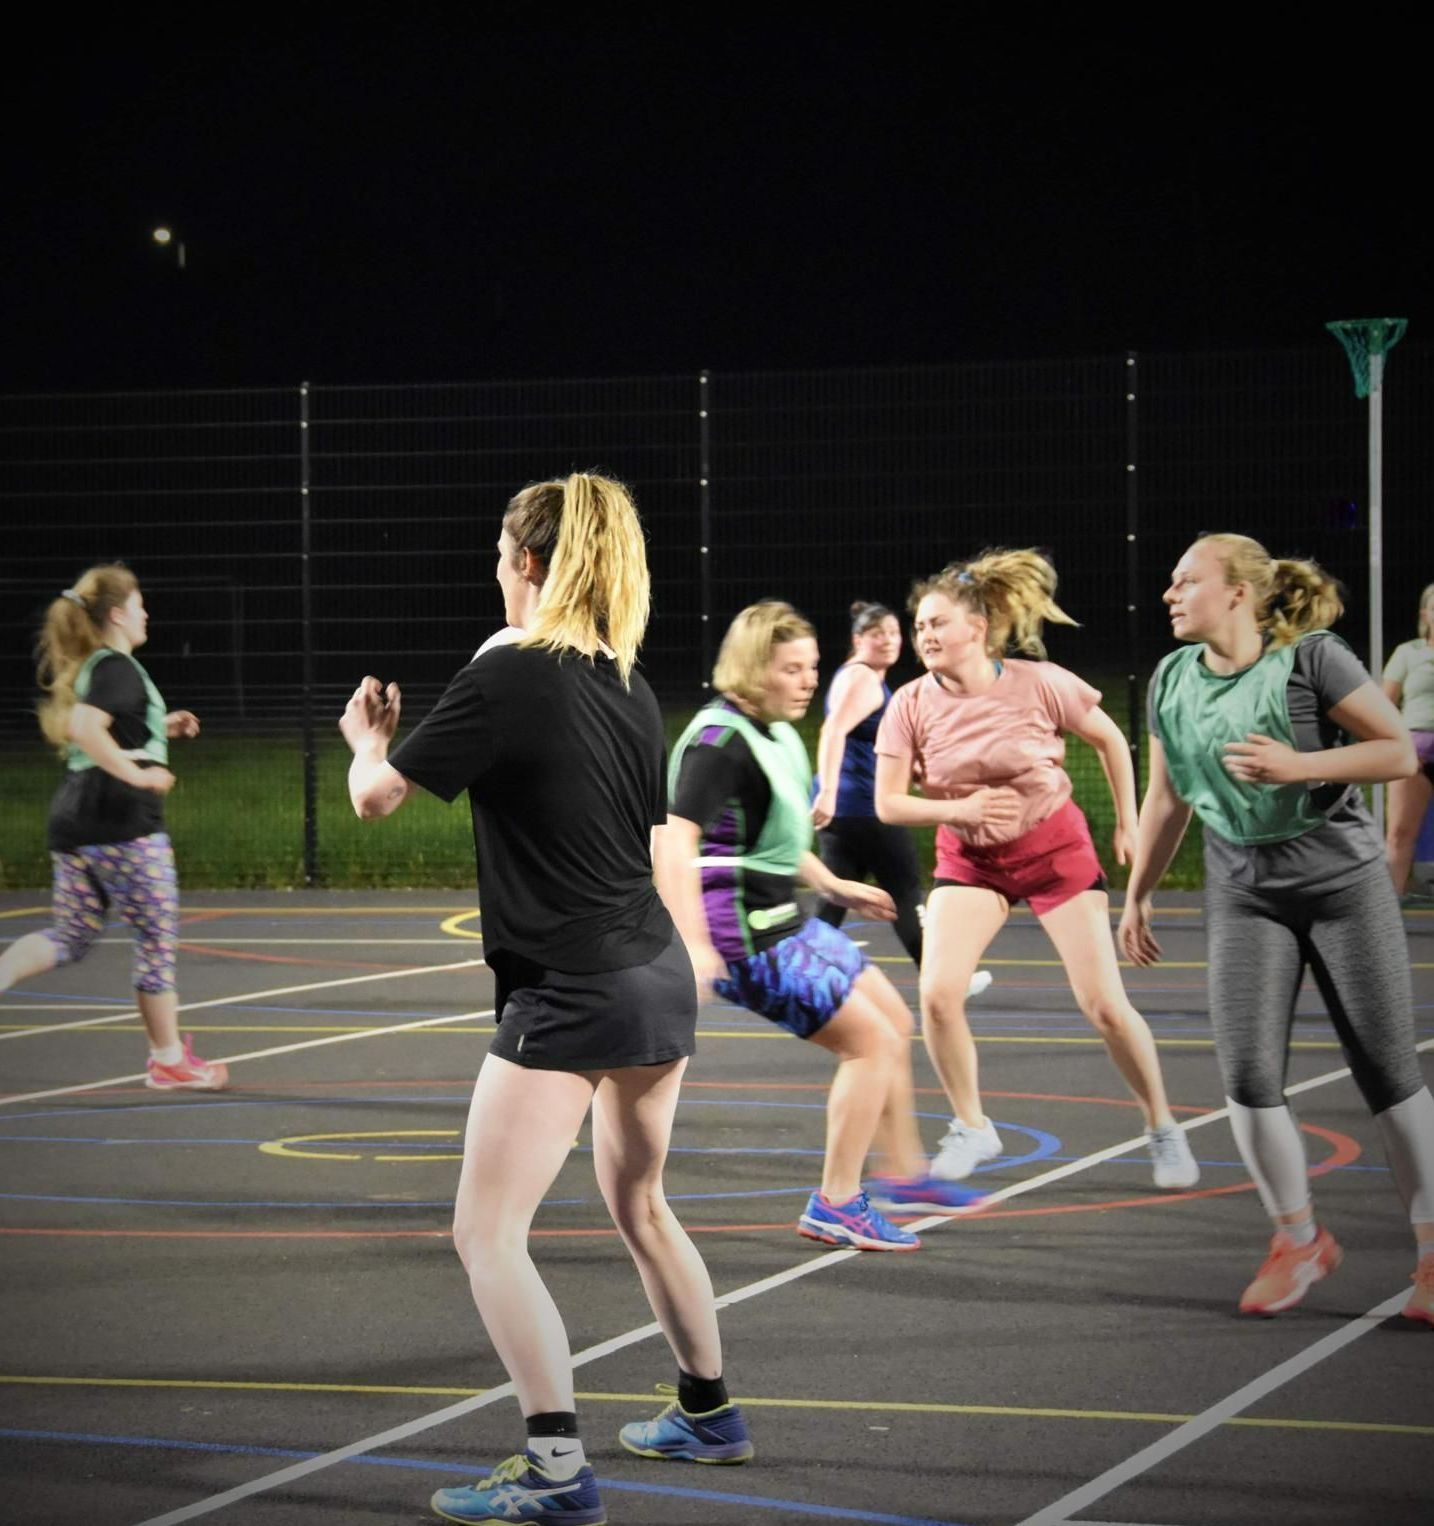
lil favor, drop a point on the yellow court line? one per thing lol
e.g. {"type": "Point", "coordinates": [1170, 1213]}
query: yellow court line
{"type": "Point", "coordinates": [453, 925]}
{"type": "Point", "coordinates": [703, 1033]}
{"type": "Point", "coordinates": [873, 1406]}
{"type": "Point", "coordinates": [26, 911]}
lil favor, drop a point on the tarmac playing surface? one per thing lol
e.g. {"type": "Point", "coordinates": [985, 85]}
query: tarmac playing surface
{"type": "Point", "coordinates": [246, 1307]}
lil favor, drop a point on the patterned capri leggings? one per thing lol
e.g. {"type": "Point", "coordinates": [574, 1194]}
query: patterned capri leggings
{"type": "Point", "coordinates": [137, 877]}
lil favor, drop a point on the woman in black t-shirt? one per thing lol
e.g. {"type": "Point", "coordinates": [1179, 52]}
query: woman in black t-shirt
{"type": "Point", "coordinates": [558, 743]}
{"type": "Point", "coordinates": [108, 846]}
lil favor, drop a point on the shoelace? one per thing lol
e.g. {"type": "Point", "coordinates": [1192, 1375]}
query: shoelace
{"type": "Point", "coordinates": [1166, 1147]}
{"type": "Point", "coordinates": [509, 1470]}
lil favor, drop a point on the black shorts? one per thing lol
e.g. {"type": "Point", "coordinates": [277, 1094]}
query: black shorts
{"type": "Point", "coordinates": [556, 1020]}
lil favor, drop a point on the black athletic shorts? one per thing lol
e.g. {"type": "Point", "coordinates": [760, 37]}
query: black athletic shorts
{"type": "Point", "coordinates": [550, 1019]}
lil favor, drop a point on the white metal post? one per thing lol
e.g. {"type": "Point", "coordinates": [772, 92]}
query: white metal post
{"type": "Point", "coordinates": [1376, 543]}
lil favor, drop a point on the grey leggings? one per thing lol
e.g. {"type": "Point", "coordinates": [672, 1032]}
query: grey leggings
{"type": "Point", "coordinates": [1352, 941]}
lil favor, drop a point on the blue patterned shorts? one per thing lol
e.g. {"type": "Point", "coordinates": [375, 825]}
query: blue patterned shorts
{"type": "Point", "coordinates": [801, 982]}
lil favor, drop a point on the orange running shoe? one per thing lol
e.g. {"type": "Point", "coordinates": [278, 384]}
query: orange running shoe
{"type": "Point", "coordinates": [188, 1074]}
{"type": "Point", "coordinates": [1288, 1272]}
{"type": "Point", "coordinates": [1421, 1300]}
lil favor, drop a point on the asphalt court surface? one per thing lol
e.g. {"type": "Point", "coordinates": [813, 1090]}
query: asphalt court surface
{"type": "Point", "coordinates": [206, 1298]}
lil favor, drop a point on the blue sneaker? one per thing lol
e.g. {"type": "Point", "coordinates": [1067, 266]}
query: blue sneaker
{"type": "Point", "coordinates": [519, 1490]}
{"type": "Point", "coordinates": [924, 1194]}
{"type": "Point", "coordinates": [855, 1223]}
{"type": "Point", "coordinates": [717, 1436]}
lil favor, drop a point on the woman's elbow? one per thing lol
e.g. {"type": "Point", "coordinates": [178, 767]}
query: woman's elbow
{"type": "Point", "coordinates": [1408, 758]}
{"type": "Point", "coordinates": [886, 809]}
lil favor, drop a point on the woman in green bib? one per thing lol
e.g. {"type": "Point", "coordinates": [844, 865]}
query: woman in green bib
{"type": "Point", "coordinates": [108, 846]}
{"type": "Point", "coordinates": [1263, 726]}
{"type": "Point", "coordinates": [738, 838]}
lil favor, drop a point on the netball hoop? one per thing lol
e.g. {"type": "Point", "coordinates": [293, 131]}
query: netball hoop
{"type": "Point", "coordinates": [1367, 341]}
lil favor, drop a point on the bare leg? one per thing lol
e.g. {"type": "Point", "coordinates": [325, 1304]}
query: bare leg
{"type": "Point", "coordinates": [632, 1126]}
{"type": "Point", "coordinates": [960, 924]}
{"type": "Point", "coordinates": [868, 1052]}
{"type": "Point", "coordinates": [31, 955]}
{"type": "Point", "coordinates": [1408, 801]}
{"type": "Point", "coordinates": [1080, 930]}
{"type": "Point", "coordinates": [521, 1125]}
{"type": "Point", "coordinates": [160, 1012]}
{"type": "Point", "coordinates": [897, 1140]}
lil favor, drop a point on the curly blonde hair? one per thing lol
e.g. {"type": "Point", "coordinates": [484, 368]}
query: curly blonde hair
{"type": "Point", "coordinates": [1013, 591]}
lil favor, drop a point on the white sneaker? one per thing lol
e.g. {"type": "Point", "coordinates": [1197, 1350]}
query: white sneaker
{"type": "Point", "coordinates": [1175, 1166]}
{"type": "Point", "coordinates": [963, 1149]}
{"type": "Point", "coordinates": [980, 981]}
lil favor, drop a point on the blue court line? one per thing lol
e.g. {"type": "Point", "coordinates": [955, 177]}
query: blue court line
{"type": "Point", "coordinates": [477, 1470]}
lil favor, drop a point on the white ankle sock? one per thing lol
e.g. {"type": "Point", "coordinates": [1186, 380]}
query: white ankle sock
{"type": "Point", "coordinates": [1301, 1234]}
{"type": "Point", "coordinates": [560, 1456]}
{"type": "Point", "coordinates": [168, 1054]}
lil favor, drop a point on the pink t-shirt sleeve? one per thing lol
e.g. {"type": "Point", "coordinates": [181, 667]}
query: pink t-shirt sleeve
{"type": "Point", "coordinates": [1069, 699]}
{"type": "Point", "coordinates": [896, 736]}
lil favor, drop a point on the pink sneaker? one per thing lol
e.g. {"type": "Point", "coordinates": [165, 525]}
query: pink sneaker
{"type": "Point", "coordinates": [1288, 1272]}
{"type": "Point", "coordinates": [1421, 1300]}
{"type": "Point", "coordinates": [189, 1074]}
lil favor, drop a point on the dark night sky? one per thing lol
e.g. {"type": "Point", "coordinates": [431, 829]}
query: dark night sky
{"type": "Point", "coordinates": [394, 200]}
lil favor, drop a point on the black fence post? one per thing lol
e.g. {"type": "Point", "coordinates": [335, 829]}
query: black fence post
{"type": "Point", "coordinates": [1132, 557]}
{"type": "Point", "coordinates": [704, 529]}
{"type": "Point", "coordinates": [306, 600]}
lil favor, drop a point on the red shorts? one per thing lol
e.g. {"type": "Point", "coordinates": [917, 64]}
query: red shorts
{"type": "Point", "coordinates": [1046, 866]}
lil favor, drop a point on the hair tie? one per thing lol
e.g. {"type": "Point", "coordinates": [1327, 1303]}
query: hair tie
{"type": "Point", "coordinates": [75, 598]}
{"type": "Point", "coordinates": [964, 577]}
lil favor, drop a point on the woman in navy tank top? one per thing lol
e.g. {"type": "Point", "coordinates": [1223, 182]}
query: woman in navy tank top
{"type": "Point", "coordinates": [853, 843]}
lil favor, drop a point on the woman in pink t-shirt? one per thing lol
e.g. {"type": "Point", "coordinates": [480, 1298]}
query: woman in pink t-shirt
{"type": "Point", "coordinates": [988, 737]}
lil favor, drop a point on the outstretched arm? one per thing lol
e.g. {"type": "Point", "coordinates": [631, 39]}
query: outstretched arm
{"type": "Point", "coordinates": [369, 721]}
{"type": "Point", "coordinates": [1113, 750]}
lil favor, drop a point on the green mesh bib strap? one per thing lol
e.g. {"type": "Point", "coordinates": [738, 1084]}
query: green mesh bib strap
{"type": "Point", "coordinates": [1367, 341]}
{"type": "Point", "coordinates": [156, 747]}
{"type": "Point", "coordinates": [1199, 712]}
{"type": "Point", "coordinates": [787, 832]}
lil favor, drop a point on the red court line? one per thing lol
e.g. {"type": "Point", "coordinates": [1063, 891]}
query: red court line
{"type": "Point", "coordinates": [1345, 1151]}
{"type": "Point", "coordinates": [323, 964]}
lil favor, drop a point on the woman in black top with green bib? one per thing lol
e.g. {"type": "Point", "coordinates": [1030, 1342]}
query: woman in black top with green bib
{"type": "Point", "coordinates": [108, 846]}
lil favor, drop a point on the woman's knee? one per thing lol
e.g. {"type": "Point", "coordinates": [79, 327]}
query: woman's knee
{"type": "Point", "coordinates": [942, 1005]}
{"type": "Point", "coordinates": [1109, 1015]}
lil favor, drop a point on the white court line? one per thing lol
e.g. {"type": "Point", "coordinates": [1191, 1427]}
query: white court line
{"type": "Point", "coordinates": [641, 1333]}
{"type": "Point", "coordinates": [266, 1054]}
{"type": "Point", "coordinates": [224, 1001]}
{"type": "Point", "coordinates": [1059, 1513]}
{"type": "Point", "coordinates": [261, 1054]}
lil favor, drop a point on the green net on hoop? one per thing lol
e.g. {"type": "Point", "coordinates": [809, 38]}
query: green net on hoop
{"type": "Point", "coordinates": [1366, 341]}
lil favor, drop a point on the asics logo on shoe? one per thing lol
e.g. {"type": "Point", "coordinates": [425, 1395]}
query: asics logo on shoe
{"type": "Point", "coordinates": [510, 1498]}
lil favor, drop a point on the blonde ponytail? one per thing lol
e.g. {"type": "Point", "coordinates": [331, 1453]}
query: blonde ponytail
{"type": "Point", "coordinates": [1014, 591]}
{"type": "Point", "coordinates": [73, 631]}
{"type": "Point", "coordinates": [596, 590]}
{"type": "Point", "coordinates": [1292, 597]}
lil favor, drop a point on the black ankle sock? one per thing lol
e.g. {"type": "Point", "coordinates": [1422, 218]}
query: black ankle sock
{"type": "Point", "coordinates": [698, 1396]}
{"type": "Point", "coordinates": [558, 1422]}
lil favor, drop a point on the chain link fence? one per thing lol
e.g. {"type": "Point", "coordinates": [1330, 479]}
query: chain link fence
{"type": "Point", "coordinates": [290, 540]}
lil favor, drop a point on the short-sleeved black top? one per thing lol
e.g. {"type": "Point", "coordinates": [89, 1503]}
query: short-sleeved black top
{"type": "Point", "coordinates": [91, 806]}
{"type": "Point", "coordinates": [564, 769]}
